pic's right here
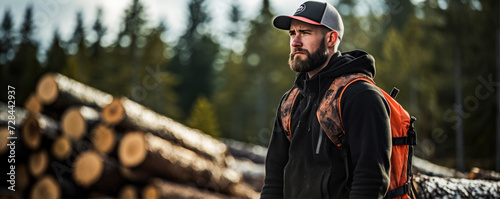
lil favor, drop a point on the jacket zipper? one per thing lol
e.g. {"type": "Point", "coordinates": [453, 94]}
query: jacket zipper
{"type": "Point", "coordinates": [319, 140]}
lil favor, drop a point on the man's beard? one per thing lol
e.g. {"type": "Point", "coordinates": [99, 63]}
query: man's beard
{"type": "Point", "coordinates": [311, 62]}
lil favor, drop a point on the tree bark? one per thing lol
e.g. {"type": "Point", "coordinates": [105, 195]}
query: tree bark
{"type": "Point", "coordinates": [158, 157]}
{"type": "Point", "coordinates": [163, 189]}
{"type": "Point", "coordinates": [58, 92]}
{"type": "Point", "coordinates": [130, 116]}
{"type": "Point", "coordinates": [35, 127]}
{"type": "Point", "coordinates": [437, 187]}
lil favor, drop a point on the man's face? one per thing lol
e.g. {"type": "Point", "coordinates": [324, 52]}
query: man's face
{"type": "Point", "coordinates": [307, 47]}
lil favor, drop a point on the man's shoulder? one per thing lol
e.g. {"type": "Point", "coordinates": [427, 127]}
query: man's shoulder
{"type": "Point", "coordinates": [363, 90]}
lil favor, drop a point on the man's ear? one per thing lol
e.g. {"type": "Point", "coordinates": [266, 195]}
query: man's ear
{"type": "Point", "coordinates": [332, 38]}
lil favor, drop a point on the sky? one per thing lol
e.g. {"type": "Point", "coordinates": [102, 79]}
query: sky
{"type": "Point", "coordinates": [50, 15]}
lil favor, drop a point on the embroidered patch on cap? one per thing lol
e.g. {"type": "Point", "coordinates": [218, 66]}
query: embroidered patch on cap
{"type": "Point", "coordinates": [301, 8]}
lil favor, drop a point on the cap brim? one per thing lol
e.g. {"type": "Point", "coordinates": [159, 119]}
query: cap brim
{"type": "Point", "coordinates": [283, 22]}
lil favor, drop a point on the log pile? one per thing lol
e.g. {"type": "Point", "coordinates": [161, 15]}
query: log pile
{"type": "Point", "coordinates": [439, 187]}
{"type": "Point", "coordinates": [75, 141]}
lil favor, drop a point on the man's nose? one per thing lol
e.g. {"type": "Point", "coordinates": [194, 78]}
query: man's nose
{"type": "Point", "coordinates": [296, 42]}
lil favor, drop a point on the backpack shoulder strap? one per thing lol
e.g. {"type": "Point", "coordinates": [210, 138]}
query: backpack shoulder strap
{"type": "Point", "coordinates": [328, 113]}
{"type": "Point", "coordinates": [286, 110]}
{"type": "Point", "coordinates": [366, 79]}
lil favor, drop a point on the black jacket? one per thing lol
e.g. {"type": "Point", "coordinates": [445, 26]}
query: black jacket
{"type": "Point", "coordinates": [302, 169]}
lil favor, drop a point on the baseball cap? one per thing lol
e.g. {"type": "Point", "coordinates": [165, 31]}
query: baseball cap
{"type": "Point", "coordinates": [316, 13]}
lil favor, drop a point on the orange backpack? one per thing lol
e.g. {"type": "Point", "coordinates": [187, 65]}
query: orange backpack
{"type": "Point", "coordinates": [329, 116]}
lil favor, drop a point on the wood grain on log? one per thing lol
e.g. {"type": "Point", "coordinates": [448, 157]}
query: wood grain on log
{"type": "Point", "coordinates": [128, 192]}
{"type": "Point", "coordinates": [77, 120]}
{"type": "Point", "coordinates": [4, 134]}
{"type": "Point", "coordinates": [34, 127]}
{"type": "Point", "coordinates": [61, 148]}
{"type": "Point", "coordinates": [46, 188]}
{"type": "Point", "coordinates": [31, 133]}
{"type": "Point", "coordinates": [128, 115]}
{"type": "Point", "coordinates": [103, 139]}
{"type": "Point", "coordinates": [150, 153]}
{"type": "Point", "coordinates": [33, 105]}
{"type": "Point", "coordinates": [59, 92]}
{"type": "Point", "coordinates": [38, 163]}
{"type": "Point", "coordinates": [22, 177]}
{"type": "Point", "coordinates": [96, 171]}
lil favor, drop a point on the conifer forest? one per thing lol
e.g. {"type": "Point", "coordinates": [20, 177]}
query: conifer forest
{"type": "Point", "coordinates": [223, 89]}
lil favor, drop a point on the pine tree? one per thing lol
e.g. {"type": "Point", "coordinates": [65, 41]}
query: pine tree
{"type": "Point", "coordinates": [130, 39]}
{"type": "Point", "coordinates": [56, 56]}
{"type": "Point", "coordinates": [193, 62]}
{"type": "Point", "coordinates": [7, 50]}
{"type": "Point", "coordinates": [203, 117]}
{"type": "Point", "coordinates": [25, 69]}
{"type": "Point", "coordinates": [265, 64]}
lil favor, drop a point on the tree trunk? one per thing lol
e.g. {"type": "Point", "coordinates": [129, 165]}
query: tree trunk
{"type": "Point", "coordinates": [34, 127]}
{"type": "Point", "coordinates": [76, 121]}
{"type": "Point", "coordinates": [428, 168]}
{"type": "Point", "coordinates": [151, 154]}
{"type": "Point", "coordinates": [58, 92]}
{"type": "Point", "coordinates": [104, 139]}
{"type": "Point", "coordinates": [130, 116]}
{"type": "Point", "coordinates": [46, 188]}
{"type": "Point", "coordinates": [436, 187]}
{"type": "Point", "coordinates": [99, 173]}
{"type": "Point", "coordinates": [33, 105]}
{"type": "Point", "coordinates": [128, 192]}
{"type": "Point", "coordinates": [38, 163]}
{"type": "Point", "coordinates": [162, 189]}
{"type": "Point", "coordinates": [61, 148]}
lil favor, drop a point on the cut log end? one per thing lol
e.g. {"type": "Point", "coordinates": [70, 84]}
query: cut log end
{"type": "Point", "coordinates": [128, 192]}
{"type": "Point", "coordinates": [4, 134]}
{"type": "Point", "coordinates": [150, 192]}
{"type": "Point", "coordinates": [61, 148]}
{"type": "Point", "coordinates": [103, 139]}
{"type": "Point", "coordinates": [22, 177]}
{"type": "Point", "coordinates": [46, 188]}
{"type": "Point", "coordinates": [31, 133]}
{"type": "Point", "coordinates": [38, 163]}
{"type": "Point", "coordinates": [73, 124]}
{"type": "Point", "coordinates": [33, 105]}
{"type": "Point", "coordinates": [132, 149]}
{"type": "Point", "coordinates": [47, 89]}
{"type": "Point", "coordinates": [113, 113]}
{"type": "Point", "coordinates": [88, 169]}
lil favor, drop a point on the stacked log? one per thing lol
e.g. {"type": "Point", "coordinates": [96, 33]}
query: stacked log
{"type": "Point", "coordinates": [438, 187]}
{"type": "Point", "coordinates": [76, 141]}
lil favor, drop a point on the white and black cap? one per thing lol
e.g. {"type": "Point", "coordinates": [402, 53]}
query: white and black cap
{"type": "Point", "coordinates": [316, 13]}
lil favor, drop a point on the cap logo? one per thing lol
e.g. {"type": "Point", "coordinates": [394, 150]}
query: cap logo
{"type": "Point", "coordinates": [301, 8]}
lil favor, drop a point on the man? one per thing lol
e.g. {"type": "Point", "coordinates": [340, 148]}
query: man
{"type": "Point", "coordinates": [310, 165]}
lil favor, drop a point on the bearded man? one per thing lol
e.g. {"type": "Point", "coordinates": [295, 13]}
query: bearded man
{"type": "Point", "coordinates": [302, 160]}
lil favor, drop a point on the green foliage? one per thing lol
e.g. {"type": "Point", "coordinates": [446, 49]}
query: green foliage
{"type": "Point", "coordinates": [194, 59]}
{"type": "Point", "coordinates": [418, 46]}
{"type": "Point", "coordinates": [203, 117]}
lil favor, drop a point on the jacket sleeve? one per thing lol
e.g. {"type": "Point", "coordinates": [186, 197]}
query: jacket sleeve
{"type": "Point", "coordinates": [366, 119]}
{"type": "Point", "coordinates": [276, 159]}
